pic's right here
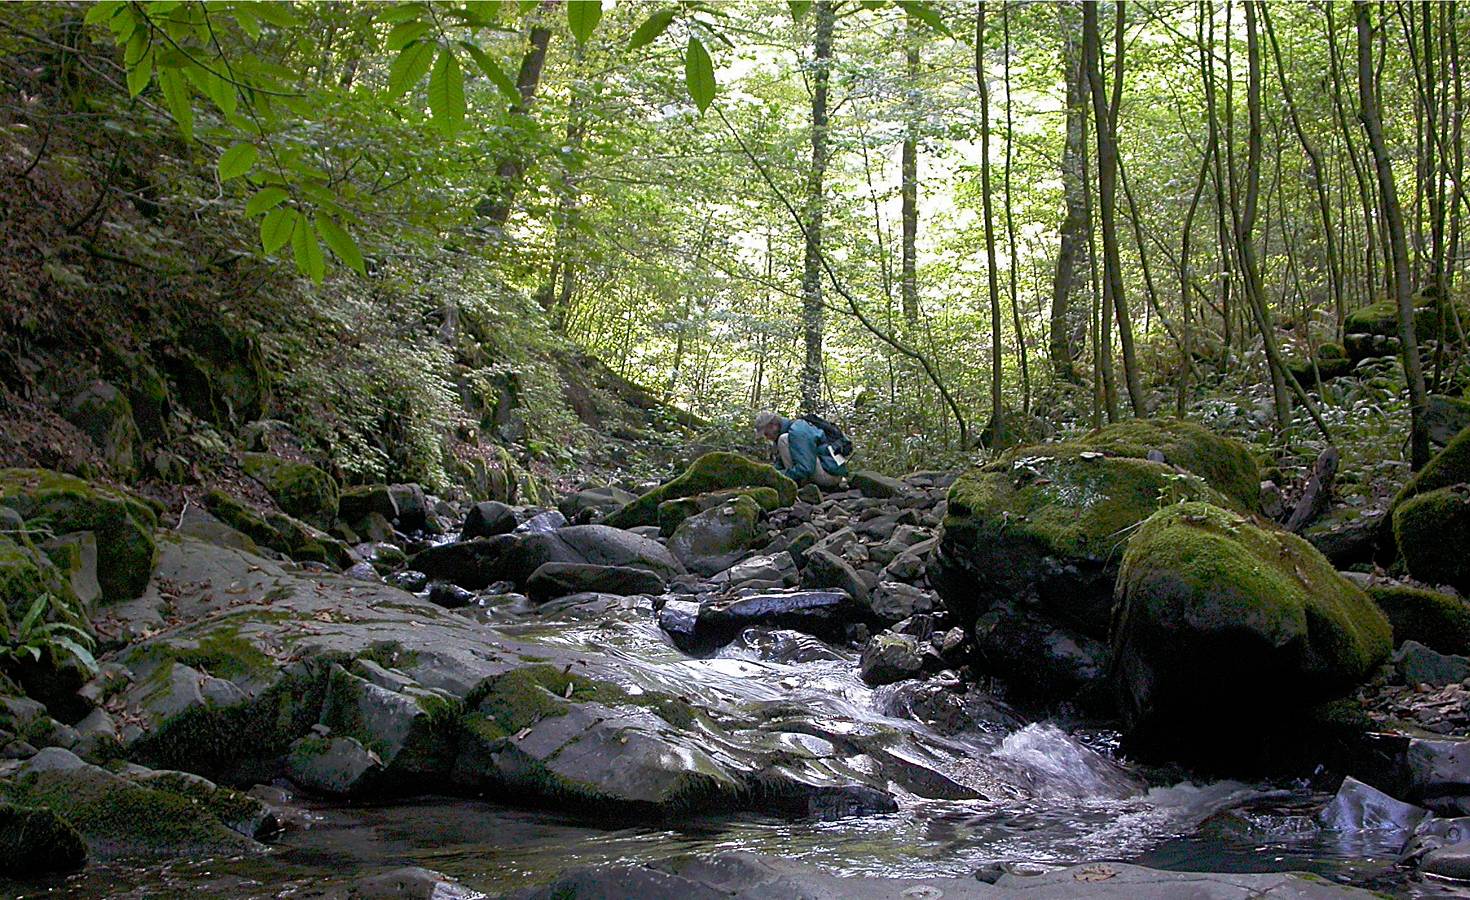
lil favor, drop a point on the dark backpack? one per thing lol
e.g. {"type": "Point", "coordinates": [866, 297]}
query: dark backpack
{"type": "Point", "coordinates": [832, 436]}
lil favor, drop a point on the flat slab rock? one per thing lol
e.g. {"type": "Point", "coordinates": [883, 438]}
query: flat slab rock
{"type": "Point", "coordinates": [750, 875]}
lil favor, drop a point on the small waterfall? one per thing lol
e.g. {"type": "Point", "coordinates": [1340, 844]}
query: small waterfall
{"type": "Point", "coordinates": [1054, 764]}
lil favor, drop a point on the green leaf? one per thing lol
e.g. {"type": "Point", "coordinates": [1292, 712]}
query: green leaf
{"type": "Point", "coordinates": [265, 199]}
{"type": "Point", "coordinates": [446, 92]}
{"type": "Point", "coordinates": [582, 18]}
{"type": "Point", "coordinates": [237, 160]}
{"type": "Point", "coordinates": [248, 21]}
{"type": "Point", "coordinates": [799, 8]}
{"type": "Point", "coordinates": [277, 14]}
{"type": "Point", "coordinates": [77, 650]}
{"type": "Point", "coordinates": [493, 71]}
{"type": "Point", "coordinates": [33, 615]}
{"type": "Point", "coordinates": [176, 95]}
{"type": "Point", "coordinates": [341, 243]}
{"type": "Point", "coordinates": [276, 228]}
{"type": "Point", "coordinates": [405, 33]}
{"type": "Point", "coordinates": [308, 252]}
{"type": "Point", "coordinates": [100, 13]}
{"type": "Point", "coordinates": [652, 27]}
{"type": "Point", "coordinates": [409, 67]}
{"type": "Point", "coordinates": [141, 73]}
{"type": "Point", "coordinates": [401, 12]}
{"type": "Point", "coordinates": [699, 74]}
{"type": "Point", "coordinates": [927, 14]}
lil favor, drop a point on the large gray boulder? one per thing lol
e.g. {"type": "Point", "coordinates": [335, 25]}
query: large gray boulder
{"type": "Point", "coordinates": [713, 540]}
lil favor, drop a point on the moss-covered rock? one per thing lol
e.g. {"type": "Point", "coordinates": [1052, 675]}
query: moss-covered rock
{"type": "Point", "coordinates": [1224, 463]}
{"type": "Point", "coordinates": [300, 489]}
{"type": "Point", "coordinates": [1432, 530]}
{"type": "Point", "coordinates": [35, 841]}
{"type": "Point", "coordinates": [122, 525]}
{"type": "Point", "coordinates": [357, 503]}
{"type": "Point", "coordinates": [25, 574]}
{"type": "Point", "coordinates": [1331, 362]}
{"type": "Point", "coordinates": [713, 540]}
{"type": "Point", "coordinates": [1438, 621]}
{"type": "Point", "coordinates": [280, 532]}
{"type": "Point", "coordinates": [1448, 467]}
{"type": "Point", "coordinates": [117, 817]}
{"type": "Point", "coordinates": [103, 413]}
{"type": "Point", "coordinates": [1373, 330]}
{"type": "Point", "coordinates": [673, 512]}
{"type": "Point", "coordinates": [1446, 417]}
{"type": "Point", "coordinates": [711, 472]}
{"type": "Point", "coordinates": [1224, 627]}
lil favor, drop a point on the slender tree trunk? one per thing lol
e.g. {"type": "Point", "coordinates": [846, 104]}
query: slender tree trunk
{"type": "Point", "coordinates": [1014, 262]}
{"type": "Point", "coordinates": [909, 189]}
{"type": "Point", "coordinates": [811, 279]}
{"type": "Point", "coordinates": [998, 433]}
{"type": "Point", "coordinates": [511, 166]}
{"type": "Point", "coordinates": [1071, 244]}
{"type": "Point", "coordinates": [1398, 246]}
{"type": "Point", "coordinates": [1107, 167]}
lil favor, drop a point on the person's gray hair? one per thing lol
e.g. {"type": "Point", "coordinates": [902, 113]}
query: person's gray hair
{"type": "Point", "coordinates": [764, 418]}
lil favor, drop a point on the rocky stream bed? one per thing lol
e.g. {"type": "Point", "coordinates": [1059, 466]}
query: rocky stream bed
{"type": "Point", "coordinates": [1080, 669]}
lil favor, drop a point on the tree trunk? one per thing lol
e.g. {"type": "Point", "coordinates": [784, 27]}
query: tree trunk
{"type": "Point", "coordinates": [1071, 244]}
{"type": "Point", "coordinates": [909, 189]}
{"type": "Point", "coordinates": [1107, 187]}
{"type": "Point", "coordinates": [1398, 246]}
{"type": "Point", "coordinates": [998, 433]}
{"type": "Point", "coordinates": [811, 280]}
{"type": "Point", "coordinates": [1014, 262]}
{"type": "Point", "coordinates": [511, 166]}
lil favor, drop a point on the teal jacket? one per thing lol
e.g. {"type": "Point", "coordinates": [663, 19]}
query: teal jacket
{"type": "Point", "coordinates": [808, 450]}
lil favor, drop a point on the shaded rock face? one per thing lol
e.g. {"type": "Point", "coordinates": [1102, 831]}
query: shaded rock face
{"type": "Point", "coordinates": [1361, 807]}
{"type": "Point", "coordinates": [278, 531]}
{"type": "Point", "coordinates": [711, 472]}
{"type": "Point", "coordinates": [37, 841]}
{"type": "Point", "coordinates": [672, 513]}
{"type": "Point", "coordinates": [552, 580]}
{"type": "Point", "coordinates": [477, 563]}
{"type": "Point", "coordinates": [487, 519]}
{"type": "Point", "coordinates": [891, 657]}
{"type": "Point", "coordinates": [1224, 625]}
{"type": "Point", "coordinates": [1030, 554]}
{"type": "Point", "coordinates": [123, 527]}
{"type": "Point", "coordinates": [588, 505]}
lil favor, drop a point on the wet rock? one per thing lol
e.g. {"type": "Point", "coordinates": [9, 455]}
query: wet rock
{"type": "Point", "coordinates": [595, 544]}
{"type": "Point", "coordinates": [410, 580]}
{"type": "Point", "coordinates": [825, 569]}
{"type": "Point", "coordinates": [362, 571]}
{"type": "Point", "coordinates": [781, 645]}
{"type": "Point", "coordinates": [339, 766]}
{"type": "Point", "coordinates": [711, 541]}
{"type": "Point", "coordinates": [821, 613]}
{"type": "Point", "coordinates": [890, 657]}
{"type": "Point", "coordinates": [241, 813]}
{"type": "Point", "coordinates": [950, 711]}
{"type": "Point", "coordinates": [487, 519]}
{"type": "Point", "coordinates": [542, 523]}
{"type": "Point", "coordinates": [450, 595]}
{"type": "Point", "coordinates": [893, 601]}
{"type": "Point", "coordinates": [413, 506]}
{"type": "Point", "coordinates": [409, 883]}
{"type": "Point", "coordinates": [1224, 625]}
{"type": "Point", "coordinates": [774, 571]}
{"type": "Point", "coordinates": [36, 842]}
{"type": "Point", "coordinates": [1417, 664]}
{"type": "Point", "coordinates": [680, 620]}
{"type": "Point", "coordinates": [403, 723]}
{"type": "Point", "coordinates": [1439, 774]}
{"type": "Point", "coordinates": [671, 513]}
{"type": "Point", "coordinates": [552, 580]}
{"type": "Point", "coordinates": [871, 484]}
{"type": "Point", "coordinates": [1452, 861]}
{"type": "Point", "coordinates": [1360, 807]}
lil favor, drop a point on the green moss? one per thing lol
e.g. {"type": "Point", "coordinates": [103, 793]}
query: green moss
{"type": "Point", "coordinates": [672, 512]}
{"type": "Point", "coordinates": [1230, 611]}
{"type": "Point", "coordinates": [280, 532]}
{"type": "Point", "coordinates": [237, 811]}
{"type": "Point", "coordinates": [301, 489]}
{"type": "Point", "coordinates": [711, 472]}
{"type": "Point", "coordinates": [25, 574]}
{"type": "Point", "coordinates": [504, 704]}
{"type": "Point", "coordinates": [118, 817]}
{"type": "Point", "coordinates": [221, 652]}
{"type": "Point", "coordinates": [1433, 534]}
{"type": "Point", "coordinates": [122, 525]}
{"type": "Point", "coordinates": [1448, 467]}
{"type": "Point", "coordinates": [390, 655]}
{"type": "Point", "coordinates": [1225, 464]}
{"type": "Point", "coordinates": [1438, 621]}
{"type": "Point", "coordinates": [35, 841]}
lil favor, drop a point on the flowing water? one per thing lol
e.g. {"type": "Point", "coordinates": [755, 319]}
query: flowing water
{"type": "Point", "coordinates": [1059, 798]}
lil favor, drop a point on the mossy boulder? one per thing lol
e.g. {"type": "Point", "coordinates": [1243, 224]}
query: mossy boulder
{"type": "Point", "coordinates": [1438, 621]}
{"type": "Point", "coordinates": [1446, 417]}
{"type": "Point", "coordinates": [118, 817]}
{"type": "Point", "coordinates": [123, 526]}
{"type": "Point", "coordinates": [1030, 552]}
{"type": "Point", "coordinates": [1432, 530]}
{"type": "Point", "coordinates": [35, 841]}
{"type": "Point", "coordinates": [1373, 330]}
{"type": "Point", "coordinates": [711, 472]}
{"type": "Point", "coordinates": [25, 574]}
{"type": "Point", "coordinates": [1331, 362]}
{"type": "Point", "coordinates": [713, 540]}
{"type": "Point", "coordinates": [300, 489]}
{"type": "Point", "coordinates": [1224, 463]}
{"type": "Point", "coordinates": [1449, 466]}
{"type": "Point", "coordinates": [280, 532]}
{"type": "Point", "coordinates": [357, 503]}
{"type": "Point", "coordinates": [1225, 627]}
{"type": "Point", "coordinates": [673, 512]}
